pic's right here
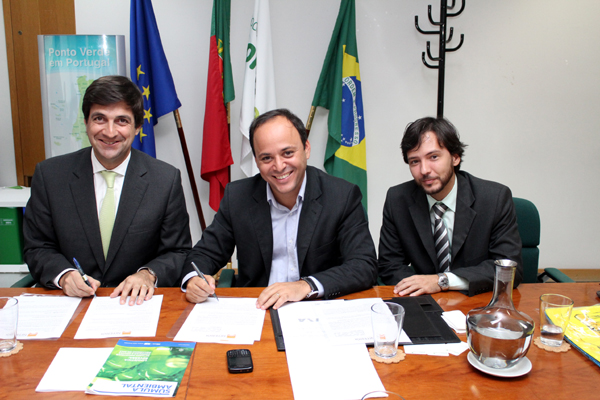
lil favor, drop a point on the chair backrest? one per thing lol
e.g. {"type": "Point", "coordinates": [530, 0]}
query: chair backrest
{"type": "Point", "coordinates": [528, 219]}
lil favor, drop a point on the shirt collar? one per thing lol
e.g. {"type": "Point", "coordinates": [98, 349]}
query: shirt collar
{"type": "Point", "coordinates": [272, 201]}
{"type": "Point", "coordinates": [121, 169]}
{"type": "Point", "coordinates": [450, 200]}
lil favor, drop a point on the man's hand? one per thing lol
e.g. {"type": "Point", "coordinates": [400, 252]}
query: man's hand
{"type": "Point", "coordinates": [417, 285]}
{"type": "Point", "coordinates": [278, 294]}
{"type": "Point", "coordinates": [197, 291]}
{"type": "Point", "coordinates": [73, 285]}
{"type": "Point", "coordinates": [139, 285]}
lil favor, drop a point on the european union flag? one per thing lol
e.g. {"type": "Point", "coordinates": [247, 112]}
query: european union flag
{"type": "Point", "coordinates": [150, 72]}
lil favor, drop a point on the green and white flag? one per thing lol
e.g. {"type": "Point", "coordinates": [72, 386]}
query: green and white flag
{"type": "Point", "coordinates": [259, 80]}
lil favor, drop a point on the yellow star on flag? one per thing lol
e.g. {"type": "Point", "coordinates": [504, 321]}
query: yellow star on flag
{"type": "Point", "coordinates": [146, 91]}
{"type": "Point", "coordinates": [147, 114]}
{"type": "Point", "coordinates": [140, 72]}
{"type": "Point", "coordinates": [142, 134]}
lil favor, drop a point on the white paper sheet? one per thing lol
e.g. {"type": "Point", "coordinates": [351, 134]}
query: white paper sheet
{"type": "Point", "coordinates": [339, 322]}
{"type": "Point", "coordinates": [73, 369]}
{"type": "Point", "coordinates": [44, 317]}
{"type": "Point", "coordinates": [229, 320]}
{"type": "Point", "coordinates": [322, 371]}
{"type": "Point", "coordinates": [106, 317]}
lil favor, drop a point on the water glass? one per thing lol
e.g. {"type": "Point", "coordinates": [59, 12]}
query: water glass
{"type": "Point", "coordinates": [387, 319]}
{"type": "Point", "coordinates": [555, 312]}
{"type": "Point", "coordinates": [9, 313]}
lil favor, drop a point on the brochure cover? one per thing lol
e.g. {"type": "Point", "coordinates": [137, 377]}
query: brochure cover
{"type": "Point", "coordinates": [143, 369]}
{"type": "Point", "coordinates": [583, 331]}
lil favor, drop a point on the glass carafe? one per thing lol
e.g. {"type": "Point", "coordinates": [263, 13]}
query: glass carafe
{"type": "Point", "coordinates": [499, 336]}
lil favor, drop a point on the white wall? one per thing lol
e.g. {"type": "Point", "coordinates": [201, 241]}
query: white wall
{"type": "Point", "coordinates": [8, 170]}
{"type": "Point", "coordinates": [523, 92]}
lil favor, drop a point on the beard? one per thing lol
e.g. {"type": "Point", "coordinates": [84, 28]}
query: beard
{"type": "Point", "coordinates": [439, 184]}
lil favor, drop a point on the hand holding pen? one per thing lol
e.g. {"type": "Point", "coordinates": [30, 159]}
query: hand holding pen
{"type": "Point", "coordinates": [83, 275]}
{"type": "Point", "coordinates": [201, 275]}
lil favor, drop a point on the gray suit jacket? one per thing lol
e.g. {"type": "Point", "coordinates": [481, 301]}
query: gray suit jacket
{"type": "Point", "coordinates": [334, 243]}
{"type": "Point", "coordinates": [61, 221]}
{"type": "Point", "coordinates": [485, 229]}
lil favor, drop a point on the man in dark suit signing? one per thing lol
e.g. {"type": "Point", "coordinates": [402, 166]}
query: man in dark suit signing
{"type": "Point", "coordinates": [297, 230]}
{"type": "Point", "coordinates": [443, 230]}
{"type": "Point", "coordinates": [118, 211]}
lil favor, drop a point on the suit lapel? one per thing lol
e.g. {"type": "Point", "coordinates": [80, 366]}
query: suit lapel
{"type": "Point", "coordinates": [464, 216]}
{"type": "Point", "coordinates": [134, 188]}
{"type": "Point", "coordinates": [261, 220]}
{"type": "Point", "coordinates": [309, 218]}
{"type": "Point", "coordinates": [419, 211]}
{"type": "Point", "coordinates": [84, 197]}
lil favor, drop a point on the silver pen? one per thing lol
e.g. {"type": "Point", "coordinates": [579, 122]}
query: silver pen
{"type": "Point", "coordinates": [201, 275]}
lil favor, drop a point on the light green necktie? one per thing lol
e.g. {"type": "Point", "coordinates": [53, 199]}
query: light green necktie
{"type": "Point", "coordinates": [107, 212]}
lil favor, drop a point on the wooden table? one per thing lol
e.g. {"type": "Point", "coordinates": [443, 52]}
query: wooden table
{"type": "Point", "coordinates": [554, 376]}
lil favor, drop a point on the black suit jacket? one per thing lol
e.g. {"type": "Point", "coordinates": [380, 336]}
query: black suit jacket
{"type": "Point", "coordinates": [485, 229]}
{"type": "Point", "coordinates": [334, 243]}
{"type": "Point", "coordinates": [61, 221]}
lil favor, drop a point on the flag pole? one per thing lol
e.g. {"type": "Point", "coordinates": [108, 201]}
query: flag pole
{"type": "Point", "coordinates": [190, 170]}
{"type": "Point", "coordinates": [311, 116]}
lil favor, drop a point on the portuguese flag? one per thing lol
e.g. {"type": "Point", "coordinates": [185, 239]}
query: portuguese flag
{"type": "Point", "coordinates": [216, 149]}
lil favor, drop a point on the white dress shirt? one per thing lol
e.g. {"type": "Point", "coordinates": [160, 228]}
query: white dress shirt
{"type": "Point", "coordinates": [455, 282]}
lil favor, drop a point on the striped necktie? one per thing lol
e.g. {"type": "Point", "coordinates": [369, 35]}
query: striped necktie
{"type": "Point", "coordinates": [107, 211]}
{"type": "Point", "coordinates": [440, 238]}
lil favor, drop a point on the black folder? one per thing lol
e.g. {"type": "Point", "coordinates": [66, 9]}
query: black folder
{"type": "Point", "coordinates": [423, 321]}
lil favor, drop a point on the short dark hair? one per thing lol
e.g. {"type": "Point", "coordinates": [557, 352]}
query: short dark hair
{"type": "Point", "coordinates": [113, 89]}
{"type": "Point", "coordinates": [446, 134]}
{"type": "Point", "coordinates": [280, 112]}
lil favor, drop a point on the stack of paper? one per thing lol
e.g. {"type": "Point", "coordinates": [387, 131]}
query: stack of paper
{"type": "Point", "coordinates": [227, 320]}
{"type": "Point", "coordinates": [456, 320]}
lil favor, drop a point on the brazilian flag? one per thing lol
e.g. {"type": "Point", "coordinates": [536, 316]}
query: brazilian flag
{"type": "Point", "coordinates": [340, 91]}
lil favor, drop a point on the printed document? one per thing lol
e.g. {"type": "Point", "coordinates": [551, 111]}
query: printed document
{"type": "Point", "coordinates": [44, 317]}
{"type": "Point", "coordinates": [229, 320]}
{"type": "Point", "coordinates": [339, 322]}
{"type": "Point", "coordinates": [107, 317]}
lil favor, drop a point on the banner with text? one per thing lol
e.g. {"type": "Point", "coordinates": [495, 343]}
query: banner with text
{"type": "Point", "coordinates": [68, 64]}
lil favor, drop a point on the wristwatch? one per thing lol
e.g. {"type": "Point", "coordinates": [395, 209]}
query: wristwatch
{"type": "Point", "coordinates": [314, 291]}
{"type": "Point", "coordinates": [151, 273]}
{"type": "Point", "coordinates": [443, 282]}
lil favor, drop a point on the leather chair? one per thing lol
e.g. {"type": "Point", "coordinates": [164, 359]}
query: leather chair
{"type": "Point", "coordinates": [528, 220]}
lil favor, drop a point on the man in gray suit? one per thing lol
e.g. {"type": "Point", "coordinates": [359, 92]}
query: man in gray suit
{"type": "Point", "coordinates": [297, 230]}
{"type": "Point", "coordinates": [443, 230]}
{"type": "Point", "coordinates": [118, 211]}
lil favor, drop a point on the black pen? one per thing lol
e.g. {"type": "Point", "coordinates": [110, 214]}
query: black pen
{"type": "Point", "coordinates": [201, 275]}
{"type": "Point", "coordinates": [83, 275]}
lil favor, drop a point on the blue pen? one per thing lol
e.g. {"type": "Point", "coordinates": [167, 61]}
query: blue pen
{"type": "Point", "coordinates": [201, 275]}
{"type": "Point", "coordinates": [83, 275]}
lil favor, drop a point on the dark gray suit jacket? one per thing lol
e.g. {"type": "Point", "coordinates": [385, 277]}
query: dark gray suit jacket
{"type": "Point", "coordinates": [334, 243]}
{"type": "Point", "coordinates": [485, 229]}
{"type": "Point", "coordinates": [61, 221]}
